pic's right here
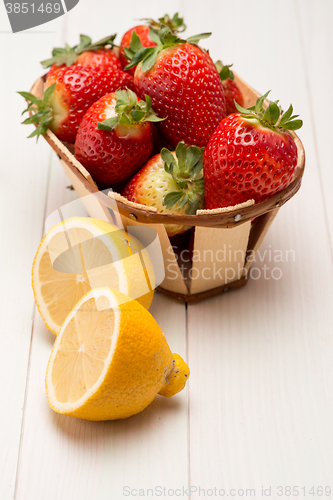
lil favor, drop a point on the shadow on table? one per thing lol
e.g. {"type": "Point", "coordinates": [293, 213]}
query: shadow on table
{"type": "Point", "coordinates": [154, 417]}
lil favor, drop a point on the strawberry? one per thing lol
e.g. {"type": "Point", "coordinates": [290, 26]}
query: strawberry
{"type": "Point", "coordinates": [85, 54]}
{"type": "Point", "coordinates": [115, 136]}
{"type": "Point", "coordinates": [141, 34]}
{"type": "Point", "coordinates": [78, 77]}
{"type": "Point", "coordinates": [172, 182]}
{"type": "Point", "coordinates": [77, 88]}
{"type": "Point", "coordinates": [250, 155]}
{"type": "Point", "coordinates": [159, 142]}
{"type": "Point", "coordinates": [73, 90]}
{"type": "Point", "coordinates": [231, 90]}
{"type": "Point", "coordinates": [184, 85]}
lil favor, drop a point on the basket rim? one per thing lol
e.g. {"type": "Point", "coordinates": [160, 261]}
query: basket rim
{"type": "Point", "coordinates": [224, 217]}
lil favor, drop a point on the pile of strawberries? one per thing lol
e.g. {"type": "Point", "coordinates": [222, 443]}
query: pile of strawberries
{"type": "Point", "coordinates": [156, 119]}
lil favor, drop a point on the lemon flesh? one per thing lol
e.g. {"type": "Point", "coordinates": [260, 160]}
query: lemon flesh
{"type": "Point", "coordinates": [80, 254]}
{"type": "Point", "coordinates": [110, 359]}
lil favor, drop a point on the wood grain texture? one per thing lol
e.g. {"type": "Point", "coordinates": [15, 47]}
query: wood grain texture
{"type": "Point", "coordinates": [63, 457]}
{"type": "Point", "coordinates": [315, 31]}
{"type": "Point", "coordinates": [260, 411]}
{"type": "Point", "coordinates": [72, 459]}
{"type": "Point", "coordinates": [24, 176]}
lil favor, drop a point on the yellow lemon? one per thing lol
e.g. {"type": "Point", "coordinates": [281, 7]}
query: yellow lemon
{"type": "Point", "coordinates": [81, 253]}
{"type": "Point", "coordinates": [110, 360]}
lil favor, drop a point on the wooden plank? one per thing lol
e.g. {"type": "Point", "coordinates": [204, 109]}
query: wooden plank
{"type": "Point", "coordinates": [99, 460]}
{"type": "Point", "coordinates": [24, 178]}
{"type": "Point", "coordinates": [218, 256]}
{"type": "Point", "coordinates": [261, 356]}
{"type": "Point", "coordinates": [63, 457]}
{"type": "Point", "coordinates": [315, 30]}
{"type": "Point", "coordinates": [260, 413]}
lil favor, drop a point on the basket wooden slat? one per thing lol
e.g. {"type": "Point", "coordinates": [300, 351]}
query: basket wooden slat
{"type": "Point", "coordinates": [212, 267]}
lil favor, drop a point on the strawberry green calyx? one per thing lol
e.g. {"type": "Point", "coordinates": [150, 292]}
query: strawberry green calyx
{"type": "Point", "coordinates": [176, 23]}
{"type": "Point", "coordinates": [163, 38]}
{"type": "Point", "coordinates": [186, 170]}
{"type": "Point", "coordinates": [68, 55]}
{"type": "Point", "coordinates": [130, 111]}
{"type": "Point", "coordinates": [272, 116]}
{"type": "Point", "coordinates": [224, 71]}
{"type": "Point", "coordinates": [42, 111]}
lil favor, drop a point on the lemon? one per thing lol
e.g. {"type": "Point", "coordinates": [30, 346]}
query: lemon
{"type": "Point", "coordinates": [81, 253]}
{"type": "Point", "coordinates": [110, 360]}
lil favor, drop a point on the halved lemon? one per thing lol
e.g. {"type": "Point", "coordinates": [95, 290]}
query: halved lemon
{"type": "Point", "coordinates": [81, 253]}
{"type": "Point", "coordinates": [110, 360]}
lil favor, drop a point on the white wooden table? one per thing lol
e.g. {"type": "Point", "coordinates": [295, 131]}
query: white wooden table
{"type": "Point", "coordinates": [258, 409]}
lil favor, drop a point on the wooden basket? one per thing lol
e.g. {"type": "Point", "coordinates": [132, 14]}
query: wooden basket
{"type": "Point", "coordinates": [227, 230]}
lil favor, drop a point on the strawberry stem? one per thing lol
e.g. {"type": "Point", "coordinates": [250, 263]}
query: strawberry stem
{"type": "Point", "coordinates": [185, 167]}
{"type": "Point", "coordinates": [130, 111]}
{"type": "Point", "coordinates": [42, 111]}
{"type": "Point", "coordinates": [69, 55]}
{"type": "Point", "coordinates": [224, 71]}
{"type": "Point", "coordinates": [271, 116]}
{"type": "Point", "coordinates": [176, 23]}
{"type": "Point", "coordinates": [164, 38]}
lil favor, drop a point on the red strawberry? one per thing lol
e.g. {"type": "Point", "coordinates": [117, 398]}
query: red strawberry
{"type": "Point", "coordinates": [78, 77]}
{"type": "Point", "coordinates": [250, 155]}
{"type": "Point", "coordinates": [77, 88]}
{"type": "Point", "coordinates": [184, 85]}
{"type": "Point", "coordinates": [171, 182]}
{"type": "Point", "coordinates": [141, 34]}
{"type": "Point", "coordinates": [85, 54]}
{"type": "Point", "coordinates": [159, 142]}
{"type": "Point", "coordinates": [91, 59]}
{"type": "Point", "coordinates": [100, 57]}
{"type": "Point", "coordinates": [115, 137]}
{"type": "Point", "coordinates": [70, 91]}
{"type": "Point", "coordinates": [231, 90]}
